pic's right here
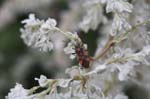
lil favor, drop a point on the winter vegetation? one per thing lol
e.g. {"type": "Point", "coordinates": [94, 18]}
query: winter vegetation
{"type": "Point", "coordinates": [121, 57]}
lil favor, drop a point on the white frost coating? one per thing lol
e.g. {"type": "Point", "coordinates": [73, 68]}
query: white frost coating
{"type": "Point", "coordinates": [146, 50]}
{"type": "Point", "coordinates": [43, 81]}
{"type": "Point", "coordinates": [37, 33]}
{"type": "Point", "coordinates": [120, 96]}
{"type": "Point", "coordinates": [120, 24]}
{"type": "Point", "coordinates": [32, 21]}
{"type": "Point", "coordinates": [94, 15]}
{"type": "Point", "coordinates": [70, 49]}
{"type": "Point", "coordinates": [50, 24]}
{"type": "Point", "coordinates": [99, 68]}
{"type": "Point", "coordinates": [118, 6]}
{"type": "Point", "coordinates": [141, 56]}
{"type": "Point", "coordinates": [121, 10]}
{"type": "Point", "coordinates": [104, 77]}
{"type": "Point", "coordinates": [124, 71]}
{"type": "Point", "coordinates": [63, 82]}
{"type": "Point", "coordinates": [18, 92]}
{"type": "Point", "coordinates": [73, 71]}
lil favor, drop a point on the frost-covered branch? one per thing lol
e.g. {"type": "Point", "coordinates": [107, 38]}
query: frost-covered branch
{"type": "Point", "coordinates": [93, 78]}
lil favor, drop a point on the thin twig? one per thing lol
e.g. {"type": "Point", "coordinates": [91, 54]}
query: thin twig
{"type": "Point", "coordinates": [111, 41]}
{"type": "Point", "coordinates": [107, 46]}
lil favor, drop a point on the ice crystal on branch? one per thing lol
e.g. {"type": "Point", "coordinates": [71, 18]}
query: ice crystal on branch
{"type": "Point", "coordinates": [43, 81]}
{"type": "Point", "coordinates": [70, 49]}
{"type": "Point", "coordinates": [37, 33]}
{"type": "Point", "coordinates": [120, 96]}
{"type": "Point", "coordinates": [94, 77]}
{"type": "Point", "coordinates": [118, 6]}
{"type": "Point", "coordinates": [18, 92]}
{"type": "Point", "coordinates": [94, 15]}
{"type": "Point", "coordinates": [121, 10]}
{"type": "Point", "coordinates": [125, 61]}
{"type": "Point", "coordinates": [120, 23]}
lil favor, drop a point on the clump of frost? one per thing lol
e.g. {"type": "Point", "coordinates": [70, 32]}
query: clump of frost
{"type": "Point", "coordinates": [18, 92]}
{"type": "Point", "coordinates": [37, 33]}
{"type": "Point", "coordinates": [94, 15]}
{"type": "Point", "coordinates": [121, 10]}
